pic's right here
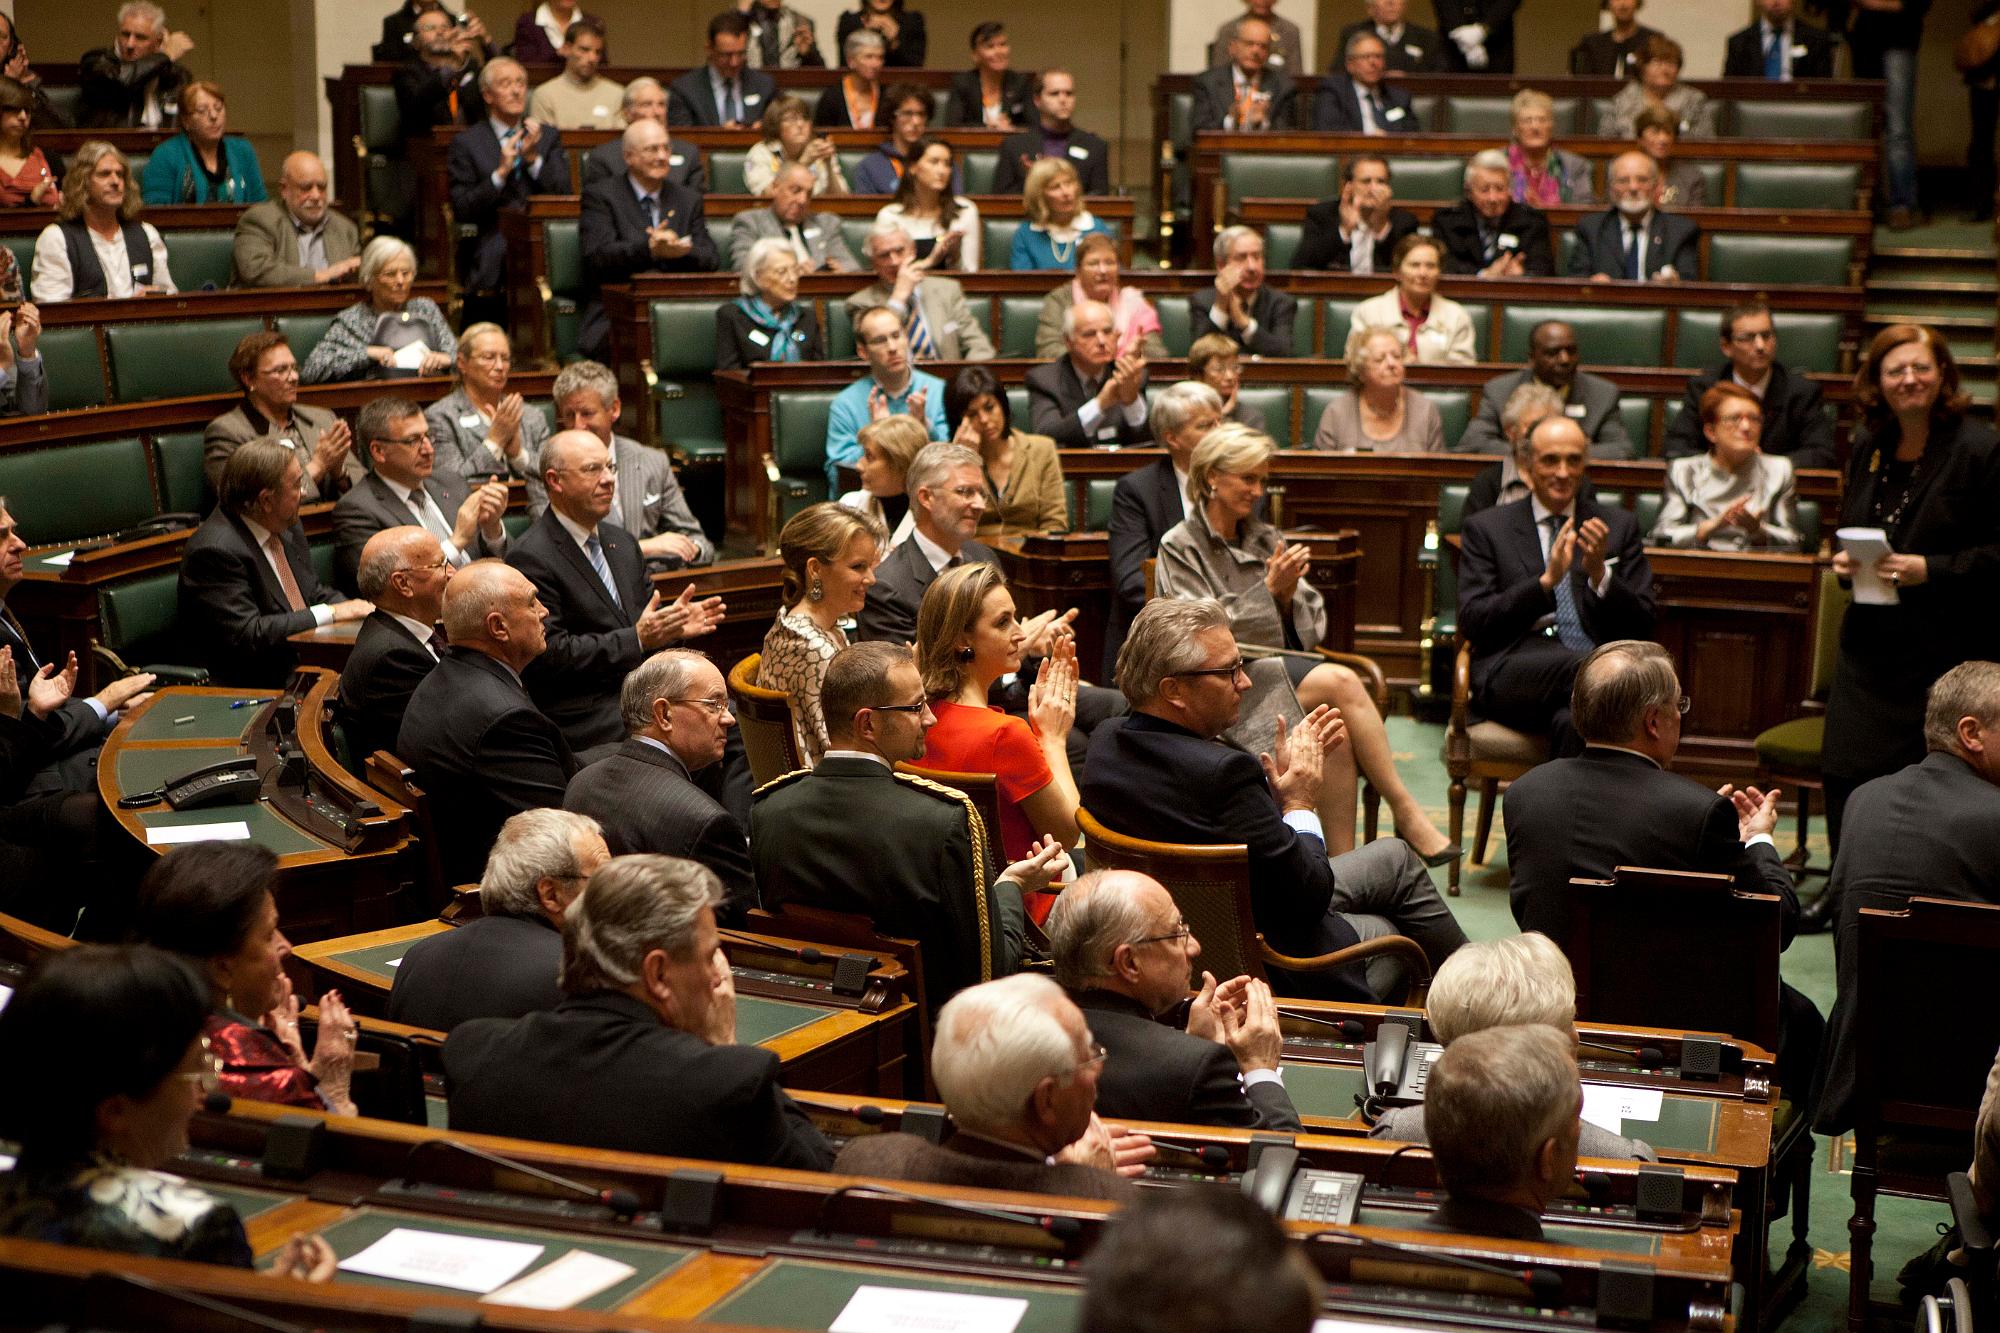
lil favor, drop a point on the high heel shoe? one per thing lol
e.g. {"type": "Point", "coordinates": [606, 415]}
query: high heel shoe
{"type": "Point", "coordinates": [1443, 856]}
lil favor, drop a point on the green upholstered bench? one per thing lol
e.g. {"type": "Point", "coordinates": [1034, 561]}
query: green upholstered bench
{"type": "Point", "coordinates": [685, 409]}
{"type": "Point", "coordinates": [183, 484]}
{"type": "Point", "coordinates": [725, 171]}
{"type": "Point", "coordinates": [978, 166]}
{"type": "Point", "coordinates": [75, 367]}
{"type": "Point", "coordinates": [1821, 261]}
{"type": "Point", "coordinates": [1275, 402]}
{"type": "Point", "coordinates": [1806, 340]}
{"type": "Point", "coordinates": [1495, 116]}
{"type": "Point", "coordinates": [172, 359]}
{"type": "Point", "coordinates": [201, 259]}
{"type": "Point", "coordinates": [78, 491]}
{"type": "Point", "coordinates": [1605, 337]}
{"type": "Point", "coordinates": [1176, 323]}
{"type": "Point", "coordinates": [1279, 176]}
{"type": "Point", "coordinates": [1427, 179]}
{"type": "Point", "coordinates": [1831, 185]}
{"type": "Point", "coordinates": [1801, 120]}
{"type": "Point", "coordinates": [303, 332]}
{"type": "Point", "coordinates": [1019, 316]}
{"type": "Point", "coordinates": [1281, 243]}
{"type": "Point", "coordinates": [798, 447]}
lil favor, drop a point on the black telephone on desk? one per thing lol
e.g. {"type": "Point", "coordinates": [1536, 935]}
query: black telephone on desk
{"type": "Point", "coordinates": [1396, 1066]}
{"type": "Point", "coordinates": [1286, 1190]}
{"type": "Point", "coordinates": [231, 782]}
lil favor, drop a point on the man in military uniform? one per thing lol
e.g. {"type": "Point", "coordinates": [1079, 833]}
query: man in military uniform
{"type": "Point", "coordinates": [817, 836]}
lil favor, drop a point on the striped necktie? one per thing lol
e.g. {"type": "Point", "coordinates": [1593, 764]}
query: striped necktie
{"type": "Point", "coordinates": [922, 347]}
{"type": "Point", "coordinates": [1569, 624]}
{"type": "Point", "coordinates": [594, 549]}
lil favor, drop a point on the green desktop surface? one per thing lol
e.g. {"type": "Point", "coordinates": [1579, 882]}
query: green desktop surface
{"type": "Point", "coordinates": [376, 960]}
{"type": "Point", "coordinates": [214, 718]}
{"type": "Point", "coordinates": [247, 1202]}
{"type": "Point", "coordinates": [807, 1294]}
{"type": "Point", "coordinates": [761, 1020]}
{"type": "Point", "coordinates": [1593, 1238]}
{"type": "Point", "coordinates": [267, 827]}
{"type": "Point", "coordinates": [142, 769]}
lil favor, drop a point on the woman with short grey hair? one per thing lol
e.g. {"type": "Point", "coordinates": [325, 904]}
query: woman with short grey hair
{"type": "Point", "coordinates": [767, 322]}
{"type": "Point", "coordinates": [390, 334]}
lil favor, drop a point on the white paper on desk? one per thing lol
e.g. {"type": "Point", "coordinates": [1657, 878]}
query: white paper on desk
{"type": "Point", "coordinates": [59, 561]}
{"type": "Point", "coordinates": [566, 1283]}
{"type": "Point", "coordinates": [1867, 546]}
{"type": "Point", "coordinates": [410, 356]}
{"type": "Point", "coordinates": [1609, 1108]}
{"type": "Point", "coordinates": [228, 830]}
{"type": "Point", "coordinates": [904, 1310]}
{"type": "Point", "coordinates": [438, 1259]}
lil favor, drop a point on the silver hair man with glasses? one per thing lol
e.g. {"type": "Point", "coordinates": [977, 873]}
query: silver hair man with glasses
{"type": "Point", "coordinates": [920, 297]}
{"type": "Point", "coordinates": [1505, 1108]}
{"type": "Point", "coordinates": [677, 723]}
{"type": "Point", "coordinates": [405, 571]}
{"type": "Point", "coordinates": [405, 485]}
{"type": "Point", "coordinates": [641, 1054]}
{"type": "Point", "coordinates": [1127, 958]}
{"type": "Point", "coordinates": [504, 962]}
{"type": "Point", "coordinates": [1162, 773]}
{"type": "Point", "coordinates": [1017, 1068]}
{"type": "Point", "coordinates": [645, 99]}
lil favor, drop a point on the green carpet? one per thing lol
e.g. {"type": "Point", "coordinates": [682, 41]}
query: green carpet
{"type": "Point", "coordinates": [1904, 1227]}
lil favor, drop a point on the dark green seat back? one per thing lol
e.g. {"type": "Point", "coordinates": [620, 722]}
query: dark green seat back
{"type": "Point", "coordinates": [67, 100]}
{"type": "Point", "coordinates": [74, 366]}
{"type": "Point", "coordinates": [1281, 242]}
{"type": "Point", "coordinates": [1637, 415]}
{"type": "Point", "coordinates": [1795, 184]}
{"type": "Point", "coordinates": [1339, 315]}
{"type": "Point", "coordinates": [1807, 341]}
{"type": "Point", "coordinates": [183, 484]}
{"type": "Point", "coordinates": [839, 331]}
{"type": "Point", "coordinates": [1818, 121]}
{"type": "Point", "coordinates": [855, 232]}
{"type": "Point", "coordinates": [303, 332]}
{"type": "Point", "coordinates": [1604, 336]}
{"type": "Point", "coordinates": [1713, 179]}
{"type": "Point", "coordinates": [391, 183]}
{"type": "Point", "coordinates": [997, 238]}
{"type": "Point", "coordinates": [1455, 408]}
{"type": "Point", "coordinates": [1020, 410]}
{"type": "Point", "coordinates": [1018, 318]}
{"type": "Point", "coordinates": [1097, 494]}
{"type": "Point", "coordinates": [798, 438]}
{"type": "Point", "coordinates": [200, 259]}
{"type": "Point", "coordinates": [78, 491]}
{"type": "Point", "coordinates": [1821, 261]}
{"type": "Point", "coordinates": [1646, 511]}
{"type": "Point", "coordinates": [1275, 402]}
{"type": "Point", "coordinates": [1428, 179]}
{"type": "Point", "coordinates": [851, 159]}
{"type": "Point", "coordinates": [22, 247]}
{"type": "Point", "coordinates": [1176, 324]}
{"type": "Point", "coordinates": [1450, 520]}
{"type": "Point", "coordinates": [171, 359]}
{"type": "Point", "coordinates": [139, 618]}
{"type": "Point", "coordinates": [684, 355]}
{"type": "Point", "coordinates": [1279, 176]}
{"type": "Point", "coordinates": [1427, 108]}
{"type": "Point", "coordinates": [977, 165]}
{"type": "Point", "coordinates": [1809, 525]}
{"type": "Point", "coordinates": [725, 171]}
{"type": "Point", "coordinates": [564, 250]}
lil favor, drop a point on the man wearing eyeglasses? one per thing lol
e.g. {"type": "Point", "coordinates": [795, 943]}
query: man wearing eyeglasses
{"type": "Point", "coordinates": [1126, 956]}
{"type": "Point", "coordinates": [892, 384]}
{"type": "Point", "coordinates": [677, 720]}
{"type": "Point", "coordinates": [404, 486]}
{"type": "Point", "coordinates": [604, 614]}
{"type": "Point", "coordinates": [405, 572]}
{"type": "Point", "coordinates": [1796, 422]}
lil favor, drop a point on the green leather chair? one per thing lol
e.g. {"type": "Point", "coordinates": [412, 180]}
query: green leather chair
{"type": "Point", "coordinates": [1608, 336]}
{"type": "Point", "coordinates": [1018, 317]}
{"type": "Point", "coordinates": [388, 181]}
{"type": "Point", "coordinates": [172, 359]}
{"type": "Point", "coordinates": [562, 245]}
{"type": "Point", "coordinates": [1714, 179]}
{"type": "Point", "coordinates": [1565, 247]}
{"type": "Point", "coordinates": [203, 259]}
{"type": "Point", "coordinates": [139, 628]}
{"type": "Point", "coordinates": [1281, 242]}
{"type": "Point", "coordinates": [1597, 117]}
{"type": "Point", "coordinates": [798, 448]}
{"type": "Point", "coordinates": [1806, 340]}
{"type": "Point", "coordinates": [855, 232]}
{"type": "Point", "coordinates": [1176, 324]}
{"type": "Point", "coordinates": [1180, 138]}
{"type": "Point", "coordinates": [1275, 402]}
{"type": "Point", "coordinates": [1821, 261]}
{"type": "Point", "coordinates": [1019, 408]}
{"type": "Point", "coordinates": [177, 459]}
{"type": "Point", "coordinates": [981, 308]}
{"type": "Point", "coordinates": [687, 415]}
{"type": "Point", "coordinates": [1795, 184]}
{"type": "Point", "coordinates": [725, 170]}
{"type": "Point", "coordinates": [322, 558]}
{"type": "Point", "coordinates": [1339, 315]}
{"type": "Point", "coordinates": [850, 161]}
{"type": "Point", "coordinates": [75, 367]}
{"type": "Point", "coordinates": [978, 166]}
{"type": "Point", "coordinates": [303, 332]}
{"type": "Point", "coordinates": [997, 241]}
{"type": "Point", "coordinates": [1818, 121]}
{"type": "Point", "coordinates": [1637, 414]}
{"type": "Point", "coordinates": [1455, 410]}
{"type": "Point", "coordinates": [1280, 176]}
{"type": "Point", "coordinates": [1428, 109]}
{"type": "Point", "coordinates": [1097, 495]}
{"type": "Point", "coordinates": [1789, 753]}
{"type": "Point", "coordinates": [138, 160]}
{"type": "Point", "coordinates": [1495, 116]}
{"type": "Point", "coordinates": [78, 491]}
{"type": "Point", "coordinates": [67, 100]}
{"type": "Point", "coordinates": [1646, 511]}
{"type": "Point", "coordinates": [839, 330]}
{"type": "Point", "coordinates": [1302, 330]}
{"type": "Point", "coordinates": [1427, 179]}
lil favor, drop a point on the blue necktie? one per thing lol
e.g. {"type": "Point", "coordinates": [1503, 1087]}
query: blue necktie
{"type": "Point", "coordinates": [649, 205]}
{"type": "Point", "coordinates": [595, 550]}
{"type": "Point", "coordinates": [1774, 55]}
{"type": "Point", "coordinates": [1569, 625]}
{"type": "Point", "coordinates": [1631, 252]}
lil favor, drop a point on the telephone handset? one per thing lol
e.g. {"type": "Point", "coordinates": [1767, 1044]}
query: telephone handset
{"type": "Point", "coordinates": [1396, 1066]}
{"type": "Point", "coordinates": [1285, 1190]}
{"type": "Point", "coordinates": [231, 782]}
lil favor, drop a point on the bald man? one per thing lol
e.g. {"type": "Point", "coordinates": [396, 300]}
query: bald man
{"type": "Point", "coordinates": [1633, 239]}
{"type": "Point", "coordinates": [480, 747]}
{"type": "Point", "coordinates": [400, 641]}
{"type": "Point", "coordinates": [639, 222]}
{"type": "Point", "coordinates": [1091, 395]}
{"type": "Point", "coordinates": [296, 240]}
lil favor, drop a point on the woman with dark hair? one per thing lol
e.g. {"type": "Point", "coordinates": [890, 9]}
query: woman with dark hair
{"type": "Point", "coordinates": [992, 95]}
{"type": "Point", "coordinates": [117, 1034]}
{"type": "Point", "coordinates": [939, 221]}
{"type": "Point", "coordinates": [1024, 480]}
{"type": "Point", "coordinates": [27, 176]}
{"type": "Point", "coordinates": [1657, 83]}
{"type": "Point", "coordinates": [902, 30]}
{"type": "Point", "coordinates": [1658, 131]}
{"type": "Point", "coordinates": [211, 903]}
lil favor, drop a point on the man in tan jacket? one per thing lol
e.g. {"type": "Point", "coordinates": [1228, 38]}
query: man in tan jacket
{"type": "Point", "coordinates": [296, 240]}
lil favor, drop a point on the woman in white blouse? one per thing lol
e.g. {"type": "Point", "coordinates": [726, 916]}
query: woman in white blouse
{"type": "Point", "coordinates": [938, 222]}
{"type": "Point", "coordinates": [1735, 497]}
{"type": "Point", "coordinates": [1435, 329]}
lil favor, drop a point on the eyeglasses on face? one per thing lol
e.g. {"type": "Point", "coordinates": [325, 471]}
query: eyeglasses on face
{"type": "Point", "coordinates": [1230, 672]}
{"type": "Point", "coordinates": [1097, 1057]}
{"type": "Point", "coordinates": [432, 568]}
{"type": "Point", "coordinates": [1180, 931]}
{"type": "Point", "coordinates": [713, 707]}
{"type": "Point", "coordinates": [917, 707]}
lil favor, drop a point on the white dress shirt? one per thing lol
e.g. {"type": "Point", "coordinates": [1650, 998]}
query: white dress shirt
{"type": "Point", "coordinates": [433, 521]}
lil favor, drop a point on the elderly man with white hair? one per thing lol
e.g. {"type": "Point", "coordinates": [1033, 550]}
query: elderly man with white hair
{"type": "Point", "coordinates": [645, 99]}
{"type": "Point", "coordinates": [641, 1053]}
{"type": "Point", "coordinates": [1090, 396]}
{"type": "Point", "coordinates": [1515, 980]}
{"type": "Point", "coordinates": [1505, 1108]}
{"type": "Point", "coordinates": [499, 163]}
{"type": "Point", "coordinates": [936, 319]}
{"type": "Point", "coordinates": [1016, 1066]}
{"type": "Point", "coordinates": [814, 237]}
{"type": "Point", "coordinates": [638, 223]}
{"type": "Point", "coordinates": [129, 84]}
{"type": "Point", "coordinates": [504, 962]}
{"type": "Point", "coordinates": [1238, 304]}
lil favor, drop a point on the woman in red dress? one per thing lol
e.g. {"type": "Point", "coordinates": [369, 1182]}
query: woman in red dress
{"type": "Point", "coordinates": [26, 178]}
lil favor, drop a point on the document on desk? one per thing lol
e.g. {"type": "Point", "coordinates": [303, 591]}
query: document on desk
{"type": "Point", "coordinates": [227, 830]}
{"type": "Point", "coordinates": [410, 356]}
{"type": "Point", "coordinates": [1609, 1108]}
{"type": "Point", "coordinates": [440, 1259]}
{"type": "Point", "coordinates": [60, 560]}
{"type": "Point", "coordinates": [1867, 546]}
{"type": "Point", "coordinates": [908, 1310]}
{"type": "Point", "coordinates": [563, 1284]}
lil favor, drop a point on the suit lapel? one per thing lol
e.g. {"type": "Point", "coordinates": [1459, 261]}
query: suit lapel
{"type": "Point", "coordinates": [580, 563]}
{"type": "Point", "coordinates": [267, 578]}
{"type": "Point", "coordinates": [1528, 539]}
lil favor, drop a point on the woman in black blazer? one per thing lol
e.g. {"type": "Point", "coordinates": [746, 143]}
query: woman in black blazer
{"type": "Point", "coordinates": [855, 101]}
{"type": "Point", "coordinates": [1929, 476]}
{"type": "Point", "coordinates": [767, 322]}
{"type": "Point", "coordinates": [1012, 89]}
{"type": "Point", "coordinates": [902, 29]}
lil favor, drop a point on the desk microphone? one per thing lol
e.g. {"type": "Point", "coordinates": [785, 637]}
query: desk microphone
{"type": "Point", "coordinates": [1064, 1229]}
{"type": "Point", "coordinates": [870, 1114]}
{"type": "Point", "coordinates": [1209, 1156]}
{"type": "Point", "coordinates": [1350, 1028]}
{"type": "Point", "coordinates": [622, 1202]}
{"type": "Point", "coordinates": [1646, 1057]}
{"type": "Point", "coordinates": [1545, 1285]}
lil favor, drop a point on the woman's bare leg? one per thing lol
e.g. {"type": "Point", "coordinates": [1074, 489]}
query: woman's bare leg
{"type": "Point", "coordinates": [1368, 742]}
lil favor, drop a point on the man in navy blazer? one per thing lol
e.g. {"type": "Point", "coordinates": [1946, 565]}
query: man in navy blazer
{"type": "Point", "coordinates": [1779, 45]}
{"type": "Point", "coordinates": [1796, 423]}
{"type": "Point", "coordinates": [1360, 101]}
{"type": "Point", "coordinates": [1162, 773]}
{"type": "Point", "coordinates": [405, 574]}
{"type": "Point", "coordinates": [404, 486]}
{"type": "Point", "coordinates": [604, 614]}
{"type": "Point", "coordinates": [1247, 93]}
{"type": "Point", "coordinates": [638, 222]}
{"type": "Point", "coordinates": [1633, 239]}
{"type": "Point", "coordinates": [1239, 304]}
{"type": "Point", "coordinates": [1544, 580]}
{"type": "Point", "coordinates": [722, 92]}
{"type": "Point", "coordinates": [498, 163]}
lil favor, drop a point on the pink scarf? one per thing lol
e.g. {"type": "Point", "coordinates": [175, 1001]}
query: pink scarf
{"type": "Point", "coordinates": [1132, 315]}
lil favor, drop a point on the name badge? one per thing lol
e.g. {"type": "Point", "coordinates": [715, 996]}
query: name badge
{"type": "Point", "coordinates": [141, 272]}
{"type": "Point", "coordinates": [953, 326]}
{"type": "Point", "coordinates": [1509, 241]}
{"type": "Point", "coordinates": [1798, 49]}
{"type": "Point", "coordinates": [1394, 113]}
{"type": "Point", "coordinates": [288, 442]}
{"type": "Point", "coordinates": [1080, 154]}
{"type": "Point", "coordinates": [675, 160]}
{"type": "Point", "coordinates": [752, 99]}
{"type": "Point", "coordinates": [1413, 51]}
{"type": "Point", "coordinates": [758, 336]}
{"type": "Point", "coordinates": [600, 111]}
{"type": "Point", "coordinates": [809, 232]}
{"type": "Point", "coordinates": [470, 421]}
{"type": "Point", "coordinates": [1577, 410]}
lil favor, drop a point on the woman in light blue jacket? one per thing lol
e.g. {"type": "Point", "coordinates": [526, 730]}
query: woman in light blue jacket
{"type": "Point", "coordinates": [202, 165]}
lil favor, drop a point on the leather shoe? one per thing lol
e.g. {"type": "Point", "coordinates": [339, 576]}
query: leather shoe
{"type": "Point", "coordinates": [1816, 916]}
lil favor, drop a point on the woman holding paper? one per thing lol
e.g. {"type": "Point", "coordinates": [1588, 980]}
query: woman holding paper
{"type": "Point", "coordinates": [1928, 477]}
{"type": "Point", "coordinates": [390, 334]}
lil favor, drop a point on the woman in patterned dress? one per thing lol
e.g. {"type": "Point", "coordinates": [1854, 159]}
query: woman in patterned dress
{"type": "Point", "coordinates": [830, 552]}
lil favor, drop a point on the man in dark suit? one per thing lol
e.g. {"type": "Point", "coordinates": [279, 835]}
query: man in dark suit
{"type": "Point", "coordinates": [1125, 956]}
{"type": "Point", "coordinates": [1247, 93]}
{"type": "Point", "coordinates": [1410, 49]}
{"type": "Point", "coordinates": [1615, 804]}
{"type": "Point", "coordinates": [1479, 35]}
{"type": "Point", "coordinates": [405, 572]}
{"type": "Point", "coordinates": [1633, 239]}
{"type": "Point", "coordinates": [1162, 774]}
{"type": "Point", "coordinates": [1487, 233]}
{"type": "Point", "coordinates": [1613, 52]}
{"type": "Point", "coordinates": [817, 837]}
{"type": "Point", "coordinates": [1591, 401]}
{"type": "Point", "coordinates": [1149, 502]}
{"type": "Point", "coordinates": [947, 498]}
{"type": "Point", "coordinates": [1239, 305]}
{"type": "Point", "coordinates": [246, 580]}
{"type": "Point", "coordinates": [676, 710]}
{"type": "Point", "coordinates": [1779, 45]}
{"type": "Point", "coordinates": [1504, 1110]}
{"type": "Point", "coordinates": [503, 963]}
{"type": "Point", "coordinates": [499, 162]}
{"type": "Point", "coordinates": [1360, 100]}
{"type": "Point", "coordinates": [1544, 580]}
{"type": "Point", "coordinates": [604, 613]}
{"type": "Point", "coordinates": [439, 83]}
{"type": "Point", "coordinates": [404, 486]}
{"type": "Point", "coordinates": [1023, 1110]}
{"type": "Point", "coordinates": [641, 1054]}
{"type": "Point", "coordinates": [478, 744]}
{"type": "Point", "coordinates": [133, 83]}
{"type": "Point", "coordinates": [1054, 135]}
{"type": "Point", "coordinates": [1795, 418]}
{"type": "Point", "coordinates": [722, 92]}
{"type": "Point", "coordinates": [1364, 205]}
{"type": "Point", "coordinates": [645, 99]}
{"type": "Point", "coordinates": [1932, 829]}
{"type": "Point", "coordinates": [1092, 396]}
{"type": "Point", "coordinates": [637, 223]}
{"type": "Point", "coordinates": [991, 51]}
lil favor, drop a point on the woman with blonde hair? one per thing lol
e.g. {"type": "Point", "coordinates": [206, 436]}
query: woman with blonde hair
{"type": "Point", "coordinates": [1538, 173]}
{"type": "Point", "coordinates": [829, 552]}
{"type": "Point", "coordinates": [789, 139]}
{"type": "Point", "coordinates": [1225, 551]}
{"type": "Point", "coordinates": [887, 448]}
{"type": "Point", "coordinates": [1378, 412]}
{"type": "Point", "coordinates": [97, 246]}
{"type": "Point", "coordinates": [1052, 197]}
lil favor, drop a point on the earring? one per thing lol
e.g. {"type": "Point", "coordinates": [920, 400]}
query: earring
{"type": "Point", "coordinates": [816, 592]}
{"type": "Point", "coordinates": [964, 656]}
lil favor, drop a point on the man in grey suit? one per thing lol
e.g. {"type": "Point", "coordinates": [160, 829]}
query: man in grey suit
{"type": "Point", "coordinates": [815, 237]}
{"type": "Point", "coordinates": [1589, 400]}
{"type": "Point", "coordinates": [648, 503]}
{"type": "Point", "coordinates": [404, 486]}
{"type": "Point", "coordinates": [480, 429]}
{"type": "Point", "coordinates": [295, 240]}
{"type": "Point", "coordinates": [677, 721]}
{"type": "Point", "coordinates": [1633, 239]}
{"type": "Point", "coordinates": [645, 99]}
{"type": "Point", "coordinates": [953, 333]}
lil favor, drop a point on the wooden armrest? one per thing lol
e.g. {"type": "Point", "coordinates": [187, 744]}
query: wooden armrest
{"type": "Point", "coordinates": [1461, 689]}
{"type": "Point", "coordinates": [1401, 946]}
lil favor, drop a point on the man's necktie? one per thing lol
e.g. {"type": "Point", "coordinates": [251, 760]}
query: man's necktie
{"type": "Point", "coordinates": [1376, 110]}
{"type": "Point", "coordinates": [1774, 55]}
{"type": "Point", "coordinates": [1631, 252]}
{"type": "Point", "coordinates": [1489, 243]}
{"type": "Point", "coordinates": [799, 246]}
{"type": "Point", "coordinates": [519, 140]}
{"type": "Point", "coordinates": [428, 516]}
{"type": "Point", "coordinates": [767, 41]}
{"type": "Point", "coordinates": [594, 549]}
{"type": "Point", "coordinates": [649, 208]}
{"type": "Point", "coordinates": [735, 109]}
{"type": "Point", "coordinates": [438, 642]}
{"type": "Point", "coordinates": [284, 568]}
{"type": "Point", "coordinates": [922, 346]}
{"type": "Point", "coordinates": [1569, 625]}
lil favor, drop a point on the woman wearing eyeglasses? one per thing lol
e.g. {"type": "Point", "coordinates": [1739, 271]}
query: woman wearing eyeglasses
{"type": "Point", "coordinates": [211, 903]}
{"type": "Point", "coordinates": [1735, 497]}
{"type": "Point", "coordinates": [124, 1028]}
